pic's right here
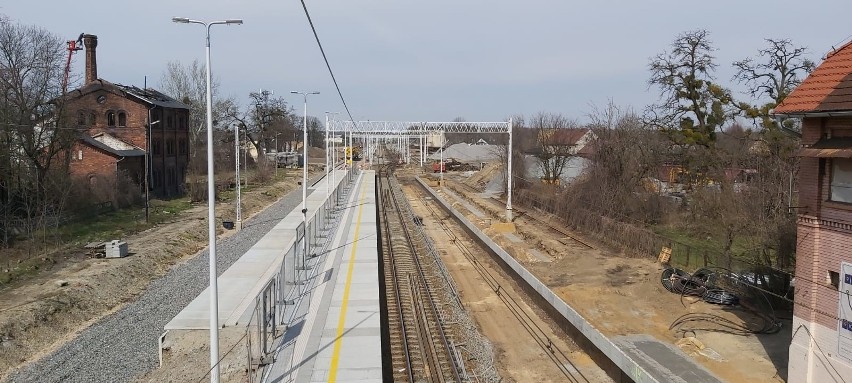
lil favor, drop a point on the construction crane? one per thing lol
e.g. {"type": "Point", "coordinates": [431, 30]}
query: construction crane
{"type": "Point", "coordinates": [73, 46]}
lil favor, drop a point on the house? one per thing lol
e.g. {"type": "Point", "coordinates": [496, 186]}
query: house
{"type": "Point", "coordinates": [122, 127]}
{"type": "Point", "coordinates": [821, 349]}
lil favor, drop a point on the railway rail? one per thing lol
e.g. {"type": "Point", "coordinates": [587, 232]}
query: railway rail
{"type": "Point", "coordinates": [558, 356]}
{"type": "Point", "coordinates": [421, 345]}
{"type": "Point", "coordinates": [540, 222]}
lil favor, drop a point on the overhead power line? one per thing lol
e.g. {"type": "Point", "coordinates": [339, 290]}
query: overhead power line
{"type": "Point", "coordinates": [327, 65]}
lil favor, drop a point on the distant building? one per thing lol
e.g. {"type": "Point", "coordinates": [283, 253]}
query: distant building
{"type": "Point", "coordinates": [821, 350]}
{"type": "Point", "coordinates": [121, 125]}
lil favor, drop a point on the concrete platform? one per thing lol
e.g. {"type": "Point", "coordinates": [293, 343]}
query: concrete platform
{"type": "Point", "coordinates": [335, 336]}
{"type": "Point", "coordinates": [240, 283]}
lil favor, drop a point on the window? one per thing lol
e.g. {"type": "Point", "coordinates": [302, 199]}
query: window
{"type": "Point", "coordinates": [81, 118]}
{"type": "Point", "coordinates": [79, 155]}
{"type": "Point", "coordinates": [841, 180]}
{"type": "Point", "coordinates": [122, 119]}
{"type": "Point", "coordinates": [156, 148]}
{"type": "Point", "coordinates": [92, 119]}
{"type": "Point", "coordinates": [170, 147]}
{"type": "Point", "coordinates": [182, 146]}
{"type": "Point", "coordinates": [110, 119]}
{"type": "Point", "coordinates": [169, 121]}
{"type": "Point", "coordinates": [833, 278]}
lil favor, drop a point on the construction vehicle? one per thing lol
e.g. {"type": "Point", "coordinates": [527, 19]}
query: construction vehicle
{"type": "Point", "coordinates": [73, 46]}
{"type": "Point", "coordinates": [451, 164]}
{"type": "Point", "coordinates": [352, 154]}
{"type": "Point", "coordinates": [438, 167]}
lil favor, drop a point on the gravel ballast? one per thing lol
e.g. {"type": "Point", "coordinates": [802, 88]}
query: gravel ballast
{"type": "Point", "coordinates": [122, 346]}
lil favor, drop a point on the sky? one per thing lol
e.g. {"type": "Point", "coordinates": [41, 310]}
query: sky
{"type": "Point", "coordinates": [434, 60]}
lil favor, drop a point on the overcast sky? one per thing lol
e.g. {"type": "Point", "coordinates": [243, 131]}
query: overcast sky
{"type": "Point", "coordinates": [433, 60]}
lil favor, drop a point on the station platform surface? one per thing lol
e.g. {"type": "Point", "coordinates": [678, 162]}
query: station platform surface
{"type": "Point", "coordinates": [335, 333]}
{"type": "Point", "coordinates": [242, 281]}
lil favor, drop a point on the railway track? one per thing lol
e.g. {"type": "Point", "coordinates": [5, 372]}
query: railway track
{"type": "Point", "coordinates": [563, 235]}
{"type": "Point", "coordinates": [560, 357]}
{"type": "Point", "coordinates": [421, 345]}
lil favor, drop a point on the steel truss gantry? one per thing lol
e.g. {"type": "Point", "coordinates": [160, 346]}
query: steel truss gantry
{"type": "Point", "coordinates": [372, 131]}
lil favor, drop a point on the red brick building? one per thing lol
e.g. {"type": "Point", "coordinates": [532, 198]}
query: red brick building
{"type": "Point", "coordinates": [821, 350]}
{"type": "Point", "coordinates": [124, 123]}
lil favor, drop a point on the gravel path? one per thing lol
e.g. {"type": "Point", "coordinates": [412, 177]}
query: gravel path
{"type": "Point", "coordinates": [123, 346]}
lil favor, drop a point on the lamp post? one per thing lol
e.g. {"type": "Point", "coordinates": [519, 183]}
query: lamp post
{"type": "Point", "coordinates": [211, 208]}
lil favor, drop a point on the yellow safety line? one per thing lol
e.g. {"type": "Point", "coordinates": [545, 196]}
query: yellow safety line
{"type": "Point", "coordinates": [335, 356]}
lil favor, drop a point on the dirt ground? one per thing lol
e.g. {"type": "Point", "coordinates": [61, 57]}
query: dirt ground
{"type": "Point", "coordinates": [41, 314]}
{"type": "Point", "coordinates": [186, 357]}
{"type": "Point", "coordinates": [621, 294]}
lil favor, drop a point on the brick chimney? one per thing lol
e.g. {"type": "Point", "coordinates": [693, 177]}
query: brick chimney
{"type": "Point", "coordinates": [91, 43]}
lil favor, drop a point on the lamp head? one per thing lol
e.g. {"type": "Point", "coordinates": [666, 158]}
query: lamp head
{"type": "Point", "coordinates": [294, 92]}
{"type": "Point", "coordinates": [183, 20]}
{"type": "Point", "coordinates": [233, 21]}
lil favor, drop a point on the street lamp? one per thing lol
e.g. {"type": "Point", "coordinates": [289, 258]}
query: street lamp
{"type": "Point", "coordinates": [211, 208]}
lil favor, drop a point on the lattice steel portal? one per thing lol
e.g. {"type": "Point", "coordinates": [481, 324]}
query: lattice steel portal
{"type": "Point", "coordinates": [371, 131]}
{"type": "Point", "coordinates": [400, 127]}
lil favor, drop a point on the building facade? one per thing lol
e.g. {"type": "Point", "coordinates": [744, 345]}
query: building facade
{"type": "Point", "coordinates": [821, 349]}
{"type": "Point", "coordinates": [123, 128]}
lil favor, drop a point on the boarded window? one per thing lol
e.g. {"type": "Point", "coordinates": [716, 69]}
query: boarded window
{"type": "Point", "coordinates": [841, 180]}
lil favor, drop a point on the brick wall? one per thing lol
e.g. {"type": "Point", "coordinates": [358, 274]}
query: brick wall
{"type": "Point", "coordinates": [824, 241]}
{"type": "Point", "coordinates": [171, 134]}
{"type": "Point", "coordinates": [87, 161]}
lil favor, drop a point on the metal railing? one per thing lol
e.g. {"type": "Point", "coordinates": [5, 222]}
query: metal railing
{"type": "Point", "coordinates": [277, 303]}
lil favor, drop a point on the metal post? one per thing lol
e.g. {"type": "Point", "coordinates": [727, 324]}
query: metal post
{"type": "Point", "coordinates": [351, 153]}
{"type": "Point", "coordinates": [327, 186]}
{"type": "Point", "coordinates": [211, 208]}
{"type": "Point", "coordinates": [509, 171]}
{"type": "Point", "coordinates": [441, 166]}
{"type": "Point", "coordinates": [238, 178]}
{"type": "Point", "coordinates": [211, 228]}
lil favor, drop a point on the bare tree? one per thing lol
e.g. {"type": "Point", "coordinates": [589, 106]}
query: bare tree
{"type": "Point", "coordinates": [780, 69]}
{"type": "Point", "coordinates": [33, 125]}
{"type": "Point", "coordinates": [555, 143]}
{"type": "Point", "coordinates": [625, 159]}
{"type": "Point", "coordinates": [264, 119]}
{"type": "Point", "coordinates": [188, 84]}
{"type": "Point", "coordinates": [692, 105]}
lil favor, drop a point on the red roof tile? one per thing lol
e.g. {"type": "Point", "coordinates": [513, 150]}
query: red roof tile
{"type": "Point", "coordinates": [827, 89]}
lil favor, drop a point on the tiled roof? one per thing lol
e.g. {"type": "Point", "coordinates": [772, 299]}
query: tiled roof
{"type": "Point", "coordinates": [827, 89]}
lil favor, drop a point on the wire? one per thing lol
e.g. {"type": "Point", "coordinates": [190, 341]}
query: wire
{"type": "Point", "coordinates": [827, 359]}
{"type": "Point", "coordinates": [330, 72]}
